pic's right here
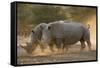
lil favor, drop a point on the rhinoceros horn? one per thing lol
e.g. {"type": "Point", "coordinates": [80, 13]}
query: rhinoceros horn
{"type": "Point", "coordinates": [24, 47]}
{"type": "Point", "coordinates": [28, 48]}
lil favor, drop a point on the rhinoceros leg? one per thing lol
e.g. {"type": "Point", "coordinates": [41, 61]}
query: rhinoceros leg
{"type": "Point", "coordinates": [42, 47]}
{"type": "Point", "coordinates": [89, 44]}
{"type": "Point", "coordinates": [58, 44]}
{"type": "Point", "coordinates": [51, 47]}
{"type": "Point", "coordinates": [82, 44]}
{"type": "Point", "coordinates": [65, 47]}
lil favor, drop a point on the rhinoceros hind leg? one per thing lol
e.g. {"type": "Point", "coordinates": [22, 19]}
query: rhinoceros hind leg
{"type": "Point", "coordinates": [65, 47]}
{"type": "Point", "coordinates": [82, 44]}
{"type": "Point", "coordinates": [89, 44]}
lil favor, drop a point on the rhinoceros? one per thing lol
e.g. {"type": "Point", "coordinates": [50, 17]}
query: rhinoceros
{"type": "Point", "coordinates": [35, 38]}
{"type": "Point", "coordinates": [64, 33]}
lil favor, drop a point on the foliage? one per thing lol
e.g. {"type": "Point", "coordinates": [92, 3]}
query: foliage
{"type": "Point", "coordinates": [30, 15]}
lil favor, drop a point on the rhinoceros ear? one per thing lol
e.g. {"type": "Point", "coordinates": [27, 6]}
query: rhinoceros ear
{"type": "Point", "coordinates": [49, 27]}
{"type": "Point", "coordinates": [42, 27]}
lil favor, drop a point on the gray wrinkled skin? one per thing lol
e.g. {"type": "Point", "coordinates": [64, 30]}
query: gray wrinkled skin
{"type": "Point", "coordinates": [60, 33]}
{"type": "Point", "coordinates": [35, 37]}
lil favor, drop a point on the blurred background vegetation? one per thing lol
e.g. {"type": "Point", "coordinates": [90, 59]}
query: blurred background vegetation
{"type": "Point", "coordinates": [29, 15]}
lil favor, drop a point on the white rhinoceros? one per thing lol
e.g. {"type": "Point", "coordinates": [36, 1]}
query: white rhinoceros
{"type": "Point", "coordinates": [35, 38]}
{"type": "Point", "coordinates": [66, 33]}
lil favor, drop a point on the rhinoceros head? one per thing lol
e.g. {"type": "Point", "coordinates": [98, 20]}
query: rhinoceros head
{"type": "Point", "coordinates": [29, 48]}
{"type": "Point", "coordinates": [35, 37]}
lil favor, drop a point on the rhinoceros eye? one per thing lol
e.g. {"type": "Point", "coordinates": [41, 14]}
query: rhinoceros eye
{"type": "Point", "coordinates": [49, 27]}
{"type": "Point", "coordinates": [33, 31]}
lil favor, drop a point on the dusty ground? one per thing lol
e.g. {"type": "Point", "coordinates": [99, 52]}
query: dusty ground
{"type": "Point", "coordinates": [73, 54]}
{"type": "Point", "coordinates": [37, 57]}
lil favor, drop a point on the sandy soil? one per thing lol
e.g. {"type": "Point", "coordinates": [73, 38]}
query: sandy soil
{"type": "Point", "coordinates": [73, 54]}
{"type": "Point", "coordinates": [37, 57]}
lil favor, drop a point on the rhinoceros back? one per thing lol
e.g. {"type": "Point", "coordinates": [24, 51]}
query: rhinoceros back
{"type": "Point", "coordinates": [69, 32]}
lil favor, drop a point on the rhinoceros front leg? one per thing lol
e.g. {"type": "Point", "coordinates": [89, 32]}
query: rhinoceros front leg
{"type": "Point", "coordinates": [58, 44]}
{"type": "Point", "coordinates": [42, 46]}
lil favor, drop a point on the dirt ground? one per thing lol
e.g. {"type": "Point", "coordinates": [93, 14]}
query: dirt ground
{"type": "Point", "coordinates": [73, 54]}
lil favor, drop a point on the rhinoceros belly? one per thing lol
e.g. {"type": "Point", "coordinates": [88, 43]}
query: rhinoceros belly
{"type": "Point", "coordinates": [72, 36]}
{"type": "Point", "coordinates": [69, 32]}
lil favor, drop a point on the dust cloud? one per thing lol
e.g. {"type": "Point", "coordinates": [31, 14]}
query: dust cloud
{"type": "Point", "coordinates": [38, 51]}
{"type": "Point", "coordinates": [92, 23]}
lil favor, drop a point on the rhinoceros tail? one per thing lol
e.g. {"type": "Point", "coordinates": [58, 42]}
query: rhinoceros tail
{"type": "Point", "coordinates": [86, 36]}
{"type": "Point", "coordinates": [88, 26]}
